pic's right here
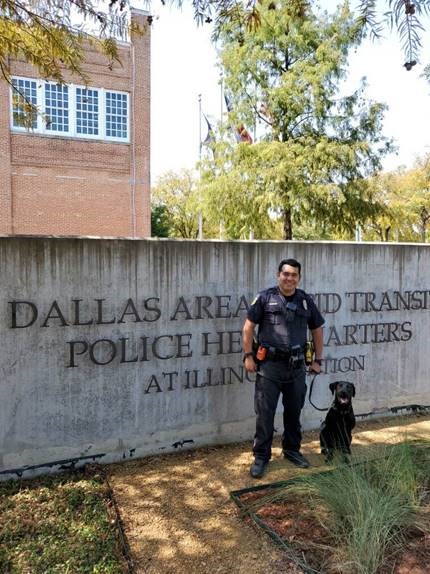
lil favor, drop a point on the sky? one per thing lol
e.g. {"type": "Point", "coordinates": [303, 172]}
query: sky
{"type": "Point", "coordinates": [183, 65]}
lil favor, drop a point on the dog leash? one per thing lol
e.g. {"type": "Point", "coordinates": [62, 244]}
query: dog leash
{"type": "Point", "coordinates": [310, 395]}
{"type": "Point", "coordinates": [394, 410]}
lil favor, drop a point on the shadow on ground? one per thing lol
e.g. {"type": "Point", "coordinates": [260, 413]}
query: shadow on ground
{"type": "Point", "coordinates": [177, 511]}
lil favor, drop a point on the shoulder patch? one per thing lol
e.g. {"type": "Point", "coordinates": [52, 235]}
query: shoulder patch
{"type": "Point", "coordinates": [305, 304]}
{"type": "Point", "coordinates": [254, 301]}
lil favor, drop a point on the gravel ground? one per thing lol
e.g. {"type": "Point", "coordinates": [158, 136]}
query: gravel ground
{"type": "Point", "coordinates": [178, 515]}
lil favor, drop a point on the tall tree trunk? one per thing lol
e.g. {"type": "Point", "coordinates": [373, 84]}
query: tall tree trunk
{"type": "Point", "coordinates": [387, 233]}
{"type": "Point", "coordinates": [288, 225]}
{"type": "Point", "coordinates": [425, 216]}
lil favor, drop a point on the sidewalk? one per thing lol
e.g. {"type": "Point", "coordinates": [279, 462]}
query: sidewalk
{"type": "Point", "coordinates": [179, 518]}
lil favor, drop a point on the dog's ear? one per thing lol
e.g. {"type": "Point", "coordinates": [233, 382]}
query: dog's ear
{"type": "Point", "coordinates": [353, 389]}
{"type": "Point", "coordinates": [332, 387]}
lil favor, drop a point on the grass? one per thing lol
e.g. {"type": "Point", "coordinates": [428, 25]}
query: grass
{"type": "Point", "coordinates": [58, 525]}
{"type": "Point", "coordinates": [371, 504]}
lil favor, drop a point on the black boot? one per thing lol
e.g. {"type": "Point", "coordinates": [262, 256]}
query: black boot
{"type": "Point", "coordinates": [296, 458]}
{"type": "Point", "coordinates": [258, 468]}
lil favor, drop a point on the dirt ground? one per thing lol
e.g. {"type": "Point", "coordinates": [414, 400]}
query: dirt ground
{"type": "Point", "coordinates": [178, 515]}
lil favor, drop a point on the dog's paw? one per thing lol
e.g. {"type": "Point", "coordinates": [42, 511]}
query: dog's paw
{"type": "Point", "coordinates": [329, 456]}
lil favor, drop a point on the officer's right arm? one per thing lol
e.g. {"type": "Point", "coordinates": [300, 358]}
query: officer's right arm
{"type": "Point", "coordinates": [247, 336]}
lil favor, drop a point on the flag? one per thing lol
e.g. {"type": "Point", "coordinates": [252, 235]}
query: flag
{"type": "Point", "coordinates": [240, 133]}
{"type": "Point", "coordinates": [228, 103]}
{"type": "Point", "coordinates": [210, 137]}
{"type": "Point", "coordinates": [230, 109]}
{"type": "Point", "coordinates": [243, 134]}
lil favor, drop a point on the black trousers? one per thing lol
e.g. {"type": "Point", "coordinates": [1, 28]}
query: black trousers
{"type": "Point", "coordinates": [273, 379]}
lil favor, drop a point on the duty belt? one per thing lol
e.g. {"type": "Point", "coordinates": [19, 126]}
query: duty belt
{"type": "Point", "coordinates": [278, 355]}
{"type": "Point", "coordinates": [293, 355]}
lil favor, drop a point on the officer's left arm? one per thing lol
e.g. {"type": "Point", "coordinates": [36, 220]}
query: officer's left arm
{"type": "Point", "coordinates": [317, 337]}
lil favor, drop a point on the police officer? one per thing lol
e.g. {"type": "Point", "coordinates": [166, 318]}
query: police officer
{"type": "Point", "coordinates": [283, 315]}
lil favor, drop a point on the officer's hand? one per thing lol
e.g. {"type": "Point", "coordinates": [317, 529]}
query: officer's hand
{"type": "Point", "coordinates": [250, 364]}
{"type": "Point", "coordinates": [315, 368]}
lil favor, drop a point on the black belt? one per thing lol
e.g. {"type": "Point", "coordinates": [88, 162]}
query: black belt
{"type": "Point", "coordinates": [295, 358]}
{"type": "Point", "coordinates": [278, 355]}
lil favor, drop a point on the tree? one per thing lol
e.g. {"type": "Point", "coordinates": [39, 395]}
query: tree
{"type": "Point", "coordinates": [405, 195]}
{"type": "Point", "coordinates": [177, 194]}
{"type": "Point", "coordinates": [317, 148]}
{"type": "Point", "coordinates": [159, 221]}
{"type": "Point", "coordinates": [417, 194]}
{"type": "Point", "coordinates": [405, 16]}
{"type": "Point", "coordinates": [44, 32]}
{"type": "Point", "coordinates": [51, 34]}
{"type": "Point", "coordinates": [392, 223]}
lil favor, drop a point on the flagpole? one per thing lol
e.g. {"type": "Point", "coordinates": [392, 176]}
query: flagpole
{"type": "Point", "coordinates": [221, 91]}
{"type": "Point", "coordinates": [200, 127]}
{"type": "Point", "coordinates": [200, 217]}
{"type": "Point", "coordinates": [222, 97]}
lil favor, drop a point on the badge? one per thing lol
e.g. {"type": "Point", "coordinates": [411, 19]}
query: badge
{"type": "Point", "coordinates": [305, 305]}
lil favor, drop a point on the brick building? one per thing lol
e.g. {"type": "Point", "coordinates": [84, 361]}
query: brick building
{"type": "Point", "coordinates": [85, 171]}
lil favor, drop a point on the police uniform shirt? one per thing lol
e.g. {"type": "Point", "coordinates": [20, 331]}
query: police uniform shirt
{"type": "Point", "coordinates": [284, 320]}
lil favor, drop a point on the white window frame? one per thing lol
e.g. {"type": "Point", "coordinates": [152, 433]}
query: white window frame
{"type": "Point", "coordinates": [72, 132]}
{"type": "Point", "coordinates": [101, 134]}
{"type": "Point", "coordinates": [113, 138]}
{"type": "Point", "coordinates": [44, 126]}
{"type": "Point", "coordinates": [24, 128]}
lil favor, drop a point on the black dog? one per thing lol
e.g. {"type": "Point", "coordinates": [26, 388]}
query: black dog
{"type": "Point", "coordinates": [335, 432]}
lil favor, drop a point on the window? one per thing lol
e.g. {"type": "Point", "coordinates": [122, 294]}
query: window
{"type": "Point", "coordinates": [57, 107]}
{"type": "Point", "coordinates": [70, 111]}
{"type": "Point", "coordinates": [24, 96]}
{"type": "Point", "coordinates": [116, 115]}
{"type": "Point", "coordinates": [87, 111]}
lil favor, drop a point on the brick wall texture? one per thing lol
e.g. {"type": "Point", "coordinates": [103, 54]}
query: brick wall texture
{"type": "Point", "coordinates": [50, 185]}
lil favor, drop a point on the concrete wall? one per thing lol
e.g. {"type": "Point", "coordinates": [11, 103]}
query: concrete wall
{"type": "Point", "coordinates": [112, 349]}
